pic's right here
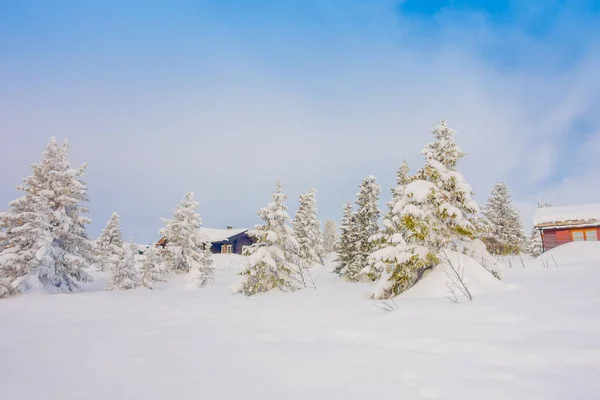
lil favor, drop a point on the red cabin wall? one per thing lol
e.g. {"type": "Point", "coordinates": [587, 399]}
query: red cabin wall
{"type": "Point", "coordinates": [552, 238]}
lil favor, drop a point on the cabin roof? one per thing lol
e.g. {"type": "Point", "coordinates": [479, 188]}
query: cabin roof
{"type": "Point", "coordinates": [213, 235]}
{"type": "Point", "coordinates": [565, 216]}
{"type": "Point", "coordinates": [221, 235]}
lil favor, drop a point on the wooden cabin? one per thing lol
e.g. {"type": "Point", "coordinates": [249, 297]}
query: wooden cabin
{"type": "Point", "coordinates": [223, 241]}
{"type": "Point", "coordinates": [565, 224]}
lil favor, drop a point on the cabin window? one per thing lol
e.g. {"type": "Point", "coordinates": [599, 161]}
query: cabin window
{"type": "Point", "coordinates": [578, 236]}
{"type": "Point", "coordinates": [226, 248]}
{"type": "Point", "coordinates": [590, 235]}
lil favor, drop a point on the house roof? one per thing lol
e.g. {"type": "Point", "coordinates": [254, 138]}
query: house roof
{"type": "Point", "coordinates": [221, 235]}
{"type": "Point", "coordinates": [575, 215]}
{"type": "Point", "coordinates": [213, 235]}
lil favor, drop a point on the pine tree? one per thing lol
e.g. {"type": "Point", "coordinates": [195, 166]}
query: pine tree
{"type": "Point", "coordinates": [109, 245]}
{"type": "Point", "coordinates": [435, 212]}
{"type": "Point", "coordinates": [274, 259]}
{"type": "Point", "coordinates": [329, 237]}
{"type": "Point", "coordinates": [123, 273]}
{"type": "Point", "coordinates": [365, 225]}
{"type": "Point", "coordinates": [535, 246]}
{"type": "Point", "coordinates": [45, 228]}
{"type": "Point", "coordinates": [307, 229]}
{"type": "Point", "coordinates": [189, 248]}
{"type": "Point", "coordinates": [393, 228]}
{"type": "Point", "coordinates": [150, 271]}
{"type": "Point", "coordinates": [504, 234]}
{"type": "Point", "coordinates": [27, 245]}
{"type": "Point", "coordinates": [347, 243]}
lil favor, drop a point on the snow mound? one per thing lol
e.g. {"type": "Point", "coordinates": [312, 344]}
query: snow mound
{"type": "Point", "coordinates": [438, 281]}
{"type": "Point", "coordinates": [570, 254]}
{"type": "Point", "coordinates": [222, 261]}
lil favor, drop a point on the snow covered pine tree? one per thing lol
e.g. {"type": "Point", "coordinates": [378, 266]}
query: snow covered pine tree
{"type": "Point", "coordinates": [109, 245]}
{"type": "Point", "coordinates": [189, 249]}
{"type": "Point", "coordinates": [329, 237]}
{"type": "Point", "coordinates": [307, 229]}
{"type": "Point", "coordinates": [150, 271]}
{"type": "Point", "coordinates": [392, 224]}
{"type": "Point", "coordinates": [346, 246]}
{"type": "Point", "coordinates": [364, 226]}
{"type": "Point", "coordinates": [504, 230]}
{"type": "Point", "coordinates": [535, 247]}
{"type": "Point", "coordinates": [436, 213]}
{"type": "Point", "coordinates": [45, 231]}
{"type": "Point", "coordinates": [123, 274]}
{"type": "Point", "coordinates": [274, 261]}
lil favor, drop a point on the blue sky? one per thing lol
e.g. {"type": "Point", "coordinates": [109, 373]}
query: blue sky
{"type": "Point", "coordinates": [226, 97]}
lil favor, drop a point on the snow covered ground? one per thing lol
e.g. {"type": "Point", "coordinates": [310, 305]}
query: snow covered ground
{"type": "Point", "coordinates": [537, 339]}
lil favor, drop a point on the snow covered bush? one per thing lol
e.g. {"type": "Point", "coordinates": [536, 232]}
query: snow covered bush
{"type": "Point", "coordinates": [109, 245]}
{"type": "Point", "coordinates": [123, 273]}
{"type": "Point", "coordinates": [307, 229]}
{"type": "Point", "coordinates": [432, 212]}
{"type": "Point", "coordinates": [274, 260]}
{"type": "Point", "coordinates": [329, 237]}
{"type": "Point", "coordinates": [504, 230]}
{"type": "Point", "coordinates": [187, 250]}
{"type": "Point", "coordinates": [44, 232]}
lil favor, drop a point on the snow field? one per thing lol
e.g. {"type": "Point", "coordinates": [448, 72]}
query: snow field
{"type": "Point", "coordinates": [538, 342]}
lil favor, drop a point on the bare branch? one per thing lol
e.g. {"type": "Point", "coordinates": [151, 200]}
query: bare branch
{"type": "Point", "coordinates": [385, 305]}
{"type": "Point", "coordinates": [457, 280]}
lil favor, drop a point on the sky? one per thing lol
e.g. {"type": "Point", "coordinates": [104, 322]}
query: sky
{"type": "Point", "coordinates": [226, 97]}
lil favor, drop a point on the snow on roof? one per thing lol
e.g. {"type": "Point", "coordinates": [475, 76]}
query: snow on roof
{"type": "Point", "coordinates": [577, 214]}
{"type": "Point", "coordinates": [220, 235]}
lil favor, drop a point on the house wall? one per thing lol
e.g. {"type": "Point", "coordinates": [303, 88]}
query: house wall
{"type": "Point", "coordinates": [552, 238]}
{"type": "Point", "coordinates": [238, 243]}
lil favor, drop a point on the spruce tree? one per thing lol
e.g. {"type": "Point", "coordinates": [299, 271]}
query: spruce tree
{"type": "Point", "coordinates": [123, 274]}
{"type": "Point", "coordinates": [329, 236]}
{"type": "Point", "coordinates": [274, 260]}
{"type": "Point", "coordinates": [347, 244]}
{"type": "Point", "coordinates": [535, 246]}
{"type": "Point", "coordinates": [307, 229]}
{"type": "Point", "coordinates": [435, 212]}
{"type": "Point", "coordinates": [365, 225]}
{"type": "Point", "coordinates": [27, 248]}
{"type": "Point", "coordinates": [45, 228]}
{"type": "Point", "coordinates": [109, 245]}
{"type": "Point", "coordinates": [150, 270]}
{"type": "Point", "coordinates": [504, 234]}
{"type": "Point", "coordinates": [189, 248]}
{"type": "Point", "coordinates": [392, 224]}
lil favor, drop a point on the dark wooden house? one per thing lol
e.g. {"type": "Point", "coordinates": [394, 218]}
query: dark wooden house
{"type": "Point", "coordinates": [560, 225]}
{"type": "Point", "coordinates": [223, 241]}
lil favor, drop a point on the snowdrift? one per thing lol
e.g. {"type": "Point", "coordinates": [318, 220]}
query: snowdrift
{"type": "Point", "coordinates": [575, 254]}
{"type": "Point", "coordinates": [438, 282]}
